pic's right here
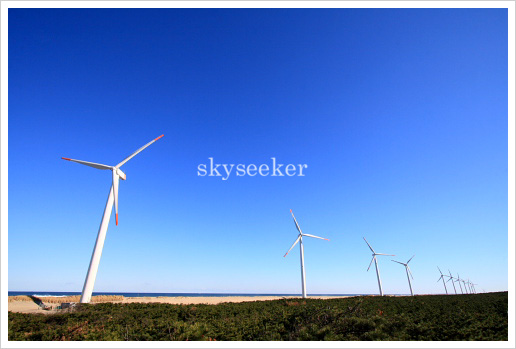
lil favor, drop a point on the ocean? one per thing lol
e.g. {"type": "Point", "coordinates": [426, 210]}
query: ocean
{"type": "Point", "coordinates": [143, 294]}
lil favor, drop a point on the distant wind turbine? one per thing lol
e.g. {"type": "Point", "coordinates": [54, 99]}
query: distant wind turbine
{"type": "Point", "coordinates": [470, 287]}
{"type": "Point", "coordinates": [465, 288]}
{"type": "Point", "coordinates": [376, 265]}
{"type": "Point", "coordinates": [442, 277]}
{"type": "Point", "coordinates": [453, 283]}
{"type": "Point", "coordinates": [113, 196]}
{"type": "Point", "coordinates": [301, 249]}
{"type": "Point", "coordinates": [407, 269]}
{"type": "Point", "coordinates": [458, 279]}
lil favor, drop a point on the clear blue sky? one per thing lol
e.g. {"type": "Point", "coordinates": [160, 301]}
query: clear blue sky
{"type": "Point", "coordinates": [400, 115]}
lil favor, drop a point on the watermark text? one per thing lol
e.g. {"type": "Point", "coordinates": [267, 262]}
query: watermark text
{"type": "Point", "coordinates": [272, 169]}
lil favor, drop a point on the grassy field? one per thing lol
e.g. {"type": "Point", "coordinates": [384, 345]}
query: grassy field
{"type": "Point", "coordinates": [454, 317]}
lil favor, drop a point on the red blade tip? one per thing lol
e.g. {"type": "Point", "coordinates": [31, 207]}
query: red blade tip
{"type": "Point", "coordinates": [159, 137]}
{"type": "Point", "coordinates": [117, 219]}
{"type": "Point", "coordinates": [65, 159]}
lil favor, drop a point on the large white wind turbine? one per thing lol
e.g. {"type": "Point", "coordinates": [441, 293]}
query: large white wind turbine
{"type": "Point", "coordinates": [113, 196]}
{"type": "Point", "coordinates": [376, 265]}
{"type": "Point", "coordinates": [451, 279]}
{"type": "Point", "coordinates": [407, 269]}
{"type": "Point", "coordinates": [300, 240]}
{"type": "Point", "coordinates": [442, 277]}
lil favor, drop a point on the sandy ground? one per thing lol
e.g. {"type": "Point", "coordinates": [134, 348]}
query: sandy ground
{"type": "Point", "coordinates": [25, 307]}
{"type": "Point", "coordinates": [31, 307]}
{"type": "Point", "coordinates": [208, 300]}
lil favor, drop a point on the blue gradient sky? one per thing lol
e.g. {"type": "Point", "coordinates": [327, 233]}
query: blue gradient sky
{"type": "Point", "coordinates": [400, 114]}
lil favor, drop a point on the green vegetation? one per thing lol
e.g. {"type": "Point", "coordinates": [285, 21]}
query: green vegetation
{"type": "Point", "coordinates": [454, 317]}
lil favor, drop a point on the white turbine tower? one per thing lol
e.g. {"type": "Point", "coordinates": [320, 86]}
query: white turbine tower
{"type": "Point", "coordinates": [407, 269]}
{"type": "Point", "coordinates": [451, 278]}
{"type": "Point", "coordinates": [442, 277]}
{"type": "Point", "coordinates": [87, 290]}
{"type": "Point", "coordinates": [300, 240]}
{"type": "Point", "coordinates": [376, 265]}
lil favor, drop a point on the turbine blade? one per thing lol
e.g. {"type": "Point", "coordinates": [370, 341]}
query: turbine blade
{"type": "Point", "coordinates": [91, 164]}
{"type": "Point", "coordinates": [138, 151]}
{"type": "Point", "coordinates": [116, 180]}
{"type": "Point", "coordinates": [368, 245]}
{"type": "Point", "coordinates": [440, 270]}
{"type": "Point", "coordinates": [370, 263]}
{"type": "Point", "coordinates": [295, 221]}
{"type": "Point", "coordinates": [294, 244]}
{"type": "Point", "coordinates": [383, 254]}
{"type": "Point", "coordinates": [317, 237]}
{"type": "Point", "coordinates": [397, 262]}
{"type": "Point", "coordinates": [410, 272]}
{"type": "Point", "coordinates": [439, 278]}
{"type": "Point", "coordinates": [410, 259]}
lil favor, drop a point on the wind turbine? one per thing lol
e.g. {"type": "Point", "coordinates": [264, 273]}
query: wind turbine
{"type": "Point", "coordinates": [376, 265]}
{"type": "Point", "coordinates": [465, 288]}
{"type": "Point", "coordinates": [407, 269]}
{"type": "Point", "coordinates": [458, 279]}
{"type": "Point", "coordinates": [301, 249]}
{"type": "Point", "coordinates": [451, 278]}
{"type": "Point", "coordinates": [113, 196]}
{"type": "Point", "coordinates": [470, 287]}
{"type": "Point", "coordinates": [442, 277]}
